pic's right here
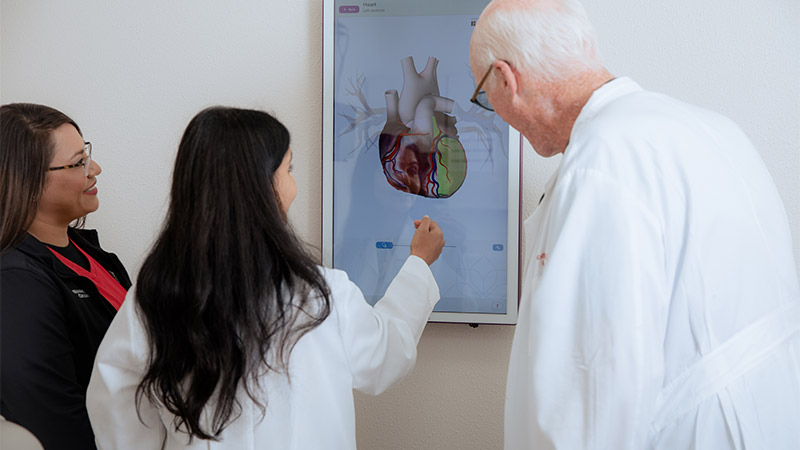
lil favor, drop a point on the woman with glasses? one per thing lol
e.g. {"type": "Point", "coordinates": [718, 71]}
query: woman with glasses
{"type": "Point", "coordinates": [59, 290]}
{"type": "Point", "coordinates": [233, 333]}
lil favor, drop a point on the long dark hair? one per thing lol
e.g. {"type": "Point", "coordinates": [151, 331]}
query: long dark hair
{"type": "Point", "coordinates": [26, 149]}
{"type": "Point", "coordinates": [228, 288]}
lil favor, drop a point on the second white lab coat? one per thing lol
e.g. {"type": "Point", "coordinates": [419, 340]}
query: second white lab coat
{"type": "Point", "coordinates": [356, 347]}
{"type": "Point", "coordinates": [660, 306]}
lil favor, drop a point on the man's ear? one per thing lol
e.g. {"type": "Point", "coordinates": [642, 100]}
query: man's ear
{"type": "Point", "coordinates": [506, 77]}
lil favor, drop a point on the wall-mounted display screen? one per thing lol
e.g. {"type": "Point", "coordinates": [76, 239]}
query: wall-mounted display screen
{"type": "Point", "coordinates": [401, 140]}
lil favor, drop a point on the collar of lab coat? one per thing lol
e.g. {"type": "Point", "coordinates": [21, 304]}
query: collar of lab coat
{"type": "Point", "coordinates": [601, 97]}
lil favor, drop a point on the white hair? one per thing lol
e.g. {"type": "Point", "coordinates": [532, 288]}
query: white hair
{"type": "Point", "coordinates": [550, 39]}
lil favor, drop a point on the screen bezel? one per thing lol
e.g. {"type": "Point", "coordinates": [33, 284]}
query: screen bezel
{"type": "Point", "coordinates": [514, 191]}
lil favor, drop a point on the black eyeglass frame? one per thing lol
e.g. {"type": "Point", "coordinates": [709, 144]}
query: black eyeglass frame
{"type": "Point", "coordinates": [85, 162]}
{"type": "Point", "coordinates": [479, 97]}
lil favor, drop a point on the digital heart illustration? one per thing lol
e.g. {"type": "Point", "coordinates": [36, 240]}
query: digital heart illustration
{"type": "Point", "coordinates": [420, 151]}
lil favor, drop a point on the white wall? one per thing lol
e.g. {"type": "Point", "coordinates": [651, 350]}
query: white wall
{"type": "Point", "coordinates": [132, 74]}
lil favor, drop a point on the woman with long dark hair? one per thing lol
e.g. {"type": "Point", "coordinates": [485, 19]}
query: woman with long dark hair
{"type": "Point", "coordinates": [234, 336]}
{"type": "Point", "coordinates": [59, 290]}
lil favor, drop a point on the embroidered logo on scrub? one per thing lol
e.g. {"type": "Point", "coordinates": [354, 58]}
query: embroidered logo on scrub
{"type": "Point", "coordinates": [542, 258]}
{"type": "Point", "coordinates": [80, 293]}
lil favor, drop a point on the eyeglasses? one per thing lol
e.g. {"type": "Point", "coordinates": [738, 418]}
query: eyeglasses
{"type": "Point", "coordinates": [85, 162]}
{"type": "Point", "coordinates": [479, 97]}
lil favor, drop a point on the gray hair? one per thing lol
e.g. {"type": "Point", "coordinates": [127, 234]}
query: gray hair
{"type": "Point", "coordinates": [550, 39]}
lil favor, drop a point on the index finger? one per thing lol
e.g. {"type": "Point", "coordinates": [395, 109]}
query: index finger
{"type": "Point", "coordinates": [425, 223]}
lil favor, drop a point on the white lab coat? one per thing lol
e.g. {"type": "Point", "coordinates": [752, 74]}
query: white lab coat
{"type": "Point", "coordinates": [356, 347]}
{"type": "Point", "coordinates": [660, 306]}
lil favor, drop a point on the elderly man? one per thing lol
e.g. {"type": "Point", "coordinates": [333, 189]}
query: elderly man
{"type": "Point", "coordinates": [660, 303]}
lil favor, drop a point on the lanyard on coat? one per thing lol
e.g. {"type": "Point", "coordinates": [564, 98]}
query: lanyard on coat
{"type": "Point", "coordinates": [106, 284]}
